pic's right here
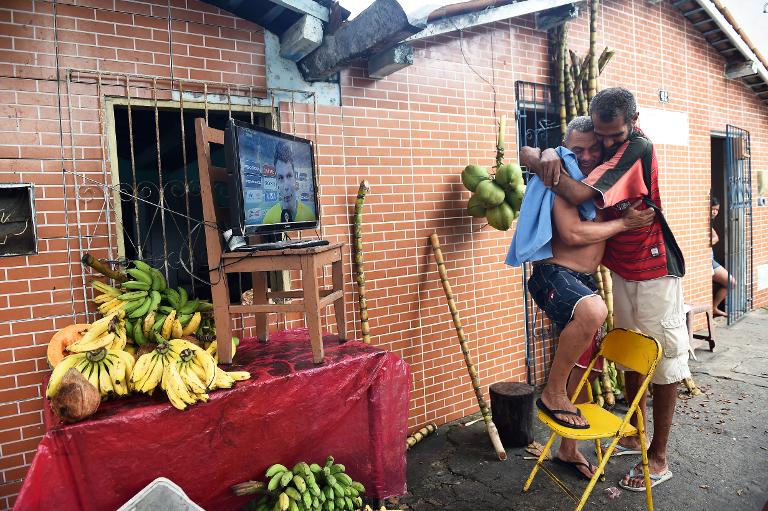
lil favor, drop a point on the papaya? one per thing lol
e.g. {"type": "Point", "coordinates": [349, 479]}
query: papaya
{"type": "Point", "coordinates": [509, 176]}
{"type": "Point", "coordinates": [490, 193]}
{"type": "Point", "coordinates": [500, 217]}
{"type": "Point", "coordinates": [475, 207]}
{"type": "Point", "coordinates": [57, 346]}
{"type": "Point", "coordinates": [473, 175]}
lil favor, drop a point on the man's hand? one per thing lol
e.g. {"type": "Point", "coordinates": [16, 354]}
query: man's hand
{"type": "Point", "coordinates": [550, 167]}
{"type": "Point", "coordinates": [634, 218]}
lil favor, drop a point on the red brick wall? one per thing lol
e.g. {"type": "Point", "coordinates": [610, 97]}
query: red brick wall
{"type": "Point", "coordinates": [409, 135]}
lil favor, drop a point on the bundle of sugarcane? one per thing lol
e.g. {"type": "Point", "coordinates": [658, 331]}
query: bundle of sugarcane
{"type": "Point", "coordinates": [358, 259]}
{"type": "Point", "coordinates": [420, 435]}
{"type": "Point", "coordinates": [484, 410]}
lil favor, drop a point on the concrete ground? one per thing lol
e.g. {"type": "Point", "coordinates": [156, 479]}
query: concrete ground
{"type": "Point", "coordinates": [718, 451]}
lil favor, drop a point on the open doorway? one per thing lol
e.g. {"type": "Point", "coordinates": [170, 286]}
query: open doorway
{"type": "Point", "coordinates": [732, 189]}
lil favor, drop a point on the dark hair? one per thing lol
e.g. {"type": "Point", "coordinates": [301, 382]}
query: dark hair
{"type": "Point", "coordinates": [284, 153]}
{"type": "Point", "coordinates": [613, 102]}
{"type": "Point", "coordinates": [582, 124]}
{"type": "Point", "coordinates": [713, 201]}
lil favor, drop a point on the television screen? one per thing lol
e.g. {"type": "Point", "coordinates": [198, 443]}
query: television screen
{"type": "Point", "coordinates": [273, 178]}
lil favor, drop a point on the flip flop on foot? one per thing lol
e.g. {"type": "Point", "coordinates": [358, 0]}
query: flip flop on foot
{"type": "Point", "coordinates": [574, 466]}
{"type": "Point", "coordinates": [551, 413]}
{"type": "Point", "coordinates": [655, 479]}
{"type": "Point", "coordinates": [620, 450]}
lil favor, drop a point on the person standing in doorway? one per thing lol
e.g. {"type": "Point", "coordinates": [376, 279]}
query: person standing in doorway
{"type": "Point", "coordinates": [720, 277]}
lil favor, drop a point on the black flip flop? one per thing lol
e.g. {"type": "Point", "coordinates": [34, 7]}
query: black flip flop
{"type": "Point", "coordinates": [574, 466]}
{"type": "Point", "coordinates": [551, 414]}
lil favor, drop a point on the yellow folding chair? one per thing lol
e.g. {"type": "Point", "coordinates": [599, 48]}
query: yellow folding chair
{"type": "Point", "coordinates": [635, 351]}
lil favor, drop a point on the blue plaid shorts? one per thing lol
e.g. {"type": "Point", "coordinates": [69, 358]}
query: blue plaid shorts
{"type": "Point", "coordinates": [557, 289]}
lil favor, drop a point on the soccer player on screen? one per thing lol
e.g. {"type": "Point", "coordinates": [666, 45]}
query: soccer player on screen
{"type": "Point", "coordinates": [288, 208]}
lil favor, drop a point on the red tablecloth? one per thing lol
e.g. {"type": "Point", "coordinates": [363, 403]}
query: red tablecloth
{"type": "Point", "coordinates": [354, 406]}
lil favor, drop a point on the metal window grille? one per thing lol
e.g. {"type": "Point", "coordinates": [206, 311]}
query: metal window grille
{"type": "Point", "coordinates": [738, 207]}
{"type": "Point", "coordinates": [538, 125]}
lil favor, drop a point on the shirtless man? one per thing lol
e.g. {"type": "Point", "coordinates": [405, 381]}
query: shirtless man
{"type": "Point", "coordinates": [563, 287]}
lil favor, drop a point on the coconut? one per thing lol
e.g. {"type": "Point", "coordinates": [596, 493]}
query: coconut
{"type": "Point", "coordinates": [509, 175]}
{"type": "Point", "coordinates": [514, 198]}
{"type": "Point", "coordinates": [76, 398]}
{"type": "Point", "coordinates": [475, 207]}
{"type": "Point", "coordinates": [472, 175]}
{"type": "Point", "coordinates": [490, 193]}
{"type": "Point", "coordinates": [500, 217]}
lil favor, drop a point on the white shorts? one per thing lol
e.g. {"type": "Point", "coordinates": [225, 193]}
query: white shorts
{"type": "Point", "coordinates": [656, 308]}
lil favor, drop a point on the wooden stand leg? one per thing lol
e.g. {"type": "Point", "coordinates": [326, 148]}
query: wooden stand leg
{"type": "Point", "coordinates": [312, 307]}
{"type": "Point", "coordinates": [259, 298]}
{"type": "Point", "coordinates": [221, 318]}
{"type": "Point", "coordinates": [339, 304]}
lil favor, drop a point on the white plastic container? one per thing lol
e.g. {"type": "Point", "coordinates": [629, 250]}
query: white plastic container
{"type": "Point", "coordinates": [160, 495]}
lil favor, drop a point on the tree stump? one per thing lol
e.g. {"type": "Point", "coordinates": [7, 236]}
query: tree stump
{"type": "Point", "coordinates": [512, 410]}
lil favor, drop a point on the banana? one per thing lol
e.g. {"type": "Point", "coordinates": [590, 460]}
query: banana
{"type": "Point", "coordinates": [329, 461]}
{"type": "Point", "coordinates": [191, 381]}
{"type": "Point", "coordinates": [189, 307]}
{"type": "Point", "coordinates": [193, 324]}
{"type": "Point", "coordinates": [154, 377]}
{"type": "Point", "coordinates": [148, 323]}
{"type": "Point", "coordinates": [172, 296]}
{"type": "Point", "coordinates": [106, 307]}
{"type": "Point", "coordinates": [142, 309]}
{"type": "Point", "coordinates": [159, 320]}
{"type": "Point", "coordinates": [133, 295]}
{"type": "Point", "coordinates": [137, 285]}
{"type": "Point", "coordinates": [204, 306]}
{"type": "Point", "coordinates": [176, 329]}
{"type": "Point", "coordinates": [132, 305]}
{"type": "Point", "coordinates": [143, 366]}
{"type": "Point", "coordinates": [156, 299]}
{"type": "Point", "coordinates": [105, 340]}
{"type": "Point", "coordinates": [335, 469]}
{"type": "Point", "coordinates": [358, 486]}
{"type": "Point", "coordinates": [105, 288]}
{"type": "Point", "coordinates": [284, 501]}
{"type": "Point", "coordinates": [105, 382]}
{"type": "Point", "coordinates": [165, 331]}
{"type": "Point", "coordinates": [299, 483]}
{"type": "Point", "coordinates": [306, 498]}
{"type": "Point", "coordinates": [275, 481]}
{"type": "Point", "coordinates": [127, 359]}
{"type": "Point", "coordinates": [59, 371]}
{"type": "Point", "coordinates": [293, 493]}
{"type": "Point", "coordinates": [140, 275]}
{"type": "Point", "coordinates": [138, 335]}
{"type": "Point", "coordinates": [141, 265]}
{"type": "Point", "coordinates": [239, 375]}
{"type": "Point", "coordinates": [274, 469]}
{"type": "Point", "coordinates": [173, 384]}
{"type": "Point", "coordinates": [208, 364]}
{"type": "Point", "coordinates": [157, 280]}
{"type": "Point", "coordinates": [121, 337]}
{"type": "Point", "coordinates": [165, 309]}
{"type": "Point", "coordinates": [103, 298]}
{"type": "Point", "coordinates": [183, 296]}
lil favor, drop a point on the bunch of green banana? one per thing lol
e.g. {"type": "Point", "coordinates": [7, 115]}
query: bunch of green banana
{"type": "Point", "coordinates": [304, 488]}
{"type": "Point", "coordinates": [107, 370]}
{"type": "Point", "coordinates": [100, 334]}
{"type": "Point", "coordinates": [149, 368]}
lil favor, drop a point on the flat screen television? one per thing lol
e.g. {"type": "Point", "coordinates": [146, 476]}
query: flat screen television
{"type": "Point", "coordinates": [272, 180]}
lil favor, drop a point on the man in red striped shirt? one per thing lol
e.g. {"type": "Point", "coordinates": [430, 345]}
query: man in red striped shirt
{"type": "Point", "coordinates": [646, 263]}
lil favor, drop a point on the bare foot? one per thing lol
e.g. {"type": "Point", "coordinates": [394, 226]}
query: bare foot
{"type": "Point", "coordinates": [718, 313]}
{"type": "Point", "coordinates": [561, 402]}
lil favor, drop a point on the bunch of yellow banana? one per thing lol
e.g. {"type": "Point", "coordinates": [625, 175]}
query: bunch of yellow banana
{"type": "Point", "coordinates": [100, 334]}
{"type": "Point", "coordinates": [149, 368]}
{"type": "Point", "coordinates": [213, 348]}
{"type": "Point", "coordinates": [107, 370]}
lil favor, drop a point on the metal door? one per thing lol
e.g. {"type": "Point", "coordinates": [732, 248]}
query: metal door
{"type": "Point", "coordinates": [738, 221]}
{"type": "Point", "coordinates": [538, 125]}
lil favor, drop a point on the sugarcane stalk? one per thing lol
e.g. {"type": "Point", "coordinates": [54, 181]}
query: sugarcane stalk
{"type": "Point", "coordinates": [599, 283]}
{"type": "Point", "coordinates": [581, 98]}
{"type": "Point", "coordinates": [604, 59]}
{"type": "Point", "coordinates": [593, 13]}
{"type": "Point", "coordinates": [607, 295]}
{"type": "Point", "coordinates": [500, 141]}
{"type": "Point", "coordinates": [570, 99]}
{"type": "Point", "coordinates": [420, 435]}
{"type": "Point", "coordinates": [103, 268]}
{"type": "Point", "coordinates": [484, 410]}
{"type": "Point", "coordinates": [691, 386]}
{"type": "Point", "coordinates": [605, 378]}
{"type": "Point", "coordinates": [358, 259]}
{"type": "Point", "coordinates": [558, 42]}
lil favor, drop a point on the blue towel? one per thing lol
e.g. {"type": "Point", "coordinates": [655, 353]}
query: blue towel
{"type": "Point", "coordinates": [533, 236]}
